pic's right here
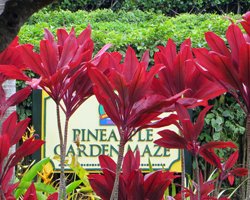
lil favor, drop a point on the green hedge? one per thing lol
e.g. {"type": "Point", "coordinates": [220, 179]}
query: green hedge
{"type": "Point", "coordinates": [169, 7]}
{"type": "Point", "coordinates": [142, 30]}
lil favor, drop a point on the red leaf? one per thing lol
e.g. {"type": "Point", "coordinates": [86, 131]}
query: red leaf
{"type": "Point", "coordinates": [32, 59]}
{"type": "Point", "coordinates": [199, 124]}
{"type": "Point", "coordinates": [53, 196]}
{"type": "Point", "coordinates": [27, 148]}
{"type": "Point", "coordinates": [13, 129]}
{"type": "Point", "coordinates": [156, 183]}
{"type": "Point", "coordinates": [130, 64]}
{"type": "Point", "coordinates": [107, 163]}
{"type": "Point", "coordinates": [235, 39]}
{"type": "Point", "coordinates": [217, 44]}
{"type": "Point", "coordinates": [12, 72]}
{"type": "Point", "coordinates": [105, 94]}
{"type": "Point", "coordinates": [129, 165]}
{"type": "Point", "coordinates": [4, 148]}
{"type": "Point", "coordinates": [231, 179]}
{"type": "Point", "coordinates": [135, 186]}
{"type": "Point", "coordinates": [19, 96]}
{"type": "Point", "coordinates": [244, 64]}
{"type": "Point", "coordinates": [30, 193]}
{"type": "Point", "coordinates": [210, 157]}
{"type": "Point", "coordinates": [239, 172]}
{"type": "Point", "coordinates": [170, 140]}
{"type": "Point", "coordinates": [62, 35]}
{"type": "Point", "coordinates": [219, 145]}
{"type": "Point", "coordinates": [84, 35]}
{"type": "Point", "coordinates": [49, 56]}
{"type": "Point", "coordinates": [231, 160]}
{"type": "Point", "coordinates": [68, 51]}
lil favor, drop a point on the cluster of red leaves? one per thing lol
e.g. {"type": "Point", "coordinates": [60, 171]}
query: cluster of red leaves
{"type": "Point", "coordinates": [62, 66]}
{"type": "Point", "coordinates": [133, 185]}
{"type": "Point", "coordinates": [11, 64]}
{"type": "Point", "coordinates": [126, 93]}
{"type": "Point", "coordinates": [180, 73]}
{"type": "Point", "coordinates": [228, 66]}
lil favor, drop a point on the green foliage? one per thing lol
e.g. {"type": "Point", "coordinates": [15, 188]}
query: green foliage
{"type": "Point", "coordinates": [165, 6]}
{"type": "Point", "coordinates": [29, 176]}
{"type": "Point", "coordinates": [224, 122]}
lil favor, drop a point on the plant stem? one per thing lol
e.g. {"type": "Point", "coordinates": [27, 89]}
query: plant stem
{"type": "Point", "coordinates": [183, 180]}
{"type": "Point", "coordinates": [248, 155]}
{"type": "Point", "coordinates": [2, 197]}
{"type": "Point", "coordinates": [198, 178]}
{"type": "Point", "coordinates": [114, 195]}
{"type": "Point", "coordinates": [62, 187]}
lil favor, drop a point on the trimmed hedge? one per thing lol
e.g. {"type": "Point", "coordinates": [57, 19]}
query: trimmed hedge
{"type": "Point", "coordinates": [142, 30]}
{"type": "Point", "coordinates": [169, 7]}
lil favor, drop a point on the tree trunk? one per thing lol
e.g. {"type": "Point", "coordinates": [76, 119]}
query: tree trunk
{"type": "Point", "coordinates": [248, 155]}
{"type": "Point", "coordinates": [13, 15]}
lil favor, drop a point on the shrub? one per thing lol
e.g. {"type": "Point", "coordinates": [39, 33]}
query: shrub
{"type": "Point", "coordinates": [165, 6]}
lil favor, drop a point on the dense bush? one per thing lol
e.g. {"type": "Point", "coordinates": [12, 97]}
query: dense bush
{"type": "Point", "coordinates": [168, 7]}
{"type": "Point", "coordinates": [142, 30]}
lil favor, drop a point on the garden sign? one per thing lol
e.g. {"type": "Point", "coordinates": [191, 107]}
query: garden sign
{"type": "Point", "coordinates": [97, 135]}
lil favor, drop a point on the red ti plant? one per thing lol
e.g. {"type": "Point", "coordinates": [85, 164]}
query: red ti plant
{"type": "Point", "coordinates": [127, 97]}
{"type": "Point", "coordinates": [11, 133]}
{"type": "Point", "coordinates": [11, 65]}
{"type": "Point", "coordinates": [188, 138]}
{"type": "Point", "coordinates": [230, 66]}
{"type": "Point", "coordinates": [132, 183]}
{"type": "Point", "coordinates": [206, 188]}
{"type": "Point", "coordinates": [180, 73]}
{"type": "Point", "coordinates": [226, 170]}
{"type": "Point", "coordinates": [62, 68]}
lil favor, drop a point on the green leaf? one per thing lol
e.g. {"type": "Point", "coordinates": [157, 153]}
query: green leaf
{"type": "Point", "coordinates": [29, 176]}
{"type": "Point", "coordinates": [150, 168]}
{"type": "Point", "coordinates": [45, 188]}
{"type": "Point", "coordinates": [80, 172]}
{"type": "Point", "coordinates": [72, 186]}
{"type": "Point", "coordinates": [216, 136]}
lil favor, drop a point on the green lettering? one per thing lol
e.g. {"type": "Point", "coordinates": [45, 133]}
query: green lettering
{"type": "Point", "coordinates": [113, 150]}
{"type": "Point", "coordinates": [81, 150]}
{"type": "Point", "coordinates": [93, 135]}
{"type": "Point", "coordinates": [147, 151]}
{"type": "Point", "coordinates": [105, 149]}
{"type": "Point", "coordinates": [70, 151]}
{"type": "Point", "coordinates": [156, 154]}
{"type": "Point", "coordinates": [56, 149]}
{"type": "Point", "coordinates": [95, 150]}
{"type": "Point", "coordinates": [149, 134]}
{"type": "Point", "coordinates": [76, 132]}
{"type": "Point", "coordinates": [112, 136]}
{"type": "Point", "coordinates": [140, 139]}
{"type": "Point", "coordinates": [166, 152]}
{"type": "Point", "coordinates": [103, 134]}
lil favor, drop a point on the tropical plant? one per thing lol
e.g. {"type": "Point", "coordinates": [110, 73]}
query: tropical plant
{"type": "Point", "coordinates": [230, 68]}
{"type": "Point", "coordinates": [127, 97]}
{"type": "Point", "coordinates": [59, 65]}
{"type": "Point", "coordinates": [133, 185]}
